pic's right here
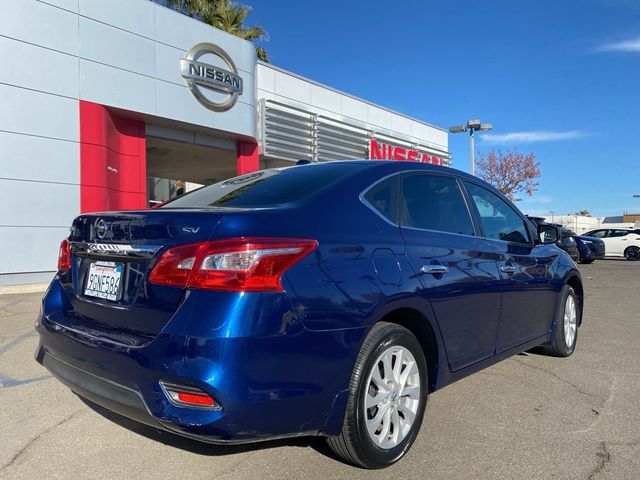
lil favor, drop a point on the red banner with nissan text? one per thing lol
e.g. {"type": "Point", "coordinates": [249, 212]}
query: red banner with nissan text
{"type": "Point", "coordinates": [386, 151]}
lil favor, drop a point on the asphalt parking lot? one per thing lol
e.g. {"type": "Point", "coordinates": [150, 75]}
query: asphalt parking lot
{"type": "Point", "coordinates": [530, 417]}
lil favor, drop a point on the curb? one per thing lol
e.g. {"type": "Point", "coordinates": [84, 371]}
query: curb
{"type": "Point", "coordinates": [27, 288]}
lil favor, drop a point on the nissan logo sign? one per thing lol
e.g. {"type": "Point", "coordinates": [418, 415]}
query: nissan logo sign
{"type": "Point", "coordinates": [102, 228]}
{"type": "Point", "coordinates": [203, 76]}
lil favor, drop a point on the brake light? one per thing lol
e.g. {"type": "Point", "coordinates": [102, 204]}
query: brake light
{"type": "Point", "coordinates": [64, 256]}
{"type": "Point", "coordinates": [238, 264]}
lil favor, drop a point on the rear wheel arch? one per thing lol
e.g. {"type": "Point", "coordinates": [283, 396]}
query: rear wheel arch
{"type": "Point", "coordinates": [418, 324]}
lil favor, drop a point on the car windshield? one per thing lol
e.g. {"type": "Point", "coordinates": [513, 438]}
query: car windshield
{"type": "Point", "coordinates": [267, 188]}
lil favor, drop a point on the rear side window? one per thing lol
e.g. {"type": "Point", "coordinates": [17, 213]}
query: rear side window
{"type": "Point", "coordinates": [500, 221]}
{"type": "Point", "coordinates": [383, 197]}
{"type": "Point", "coordinates": [267, 188]}
{"type": "Point", "coordinates": [618, 233]}
{"type": "Point", "coordinates": [596, 233]}
{"type": "Point", "coordinates": [434, 202]}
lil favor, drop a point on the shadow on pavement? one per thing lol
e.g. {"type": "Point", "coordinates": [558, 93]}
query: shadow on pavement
{"type": "Point", "coordinates": [201, 448]}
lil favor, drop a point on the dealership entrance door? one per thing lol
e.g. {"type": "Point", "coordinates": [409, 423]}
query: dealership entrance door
{"type": "Point", "coordinates": [176, 166]}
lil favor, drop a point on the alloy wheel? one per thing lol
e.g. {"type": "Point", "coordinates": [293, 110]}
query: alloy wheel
{"type": "Point", "coordinates": [632, 253]}
{"type": "Point", "coordinates": [570, 321]}
{"type": "Point", "coordinates": [392, 397]}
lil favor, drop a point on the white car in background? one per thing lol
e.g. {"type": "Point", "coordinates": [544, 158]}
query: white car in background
{"type": "Point", "coordinates": [619, 242]}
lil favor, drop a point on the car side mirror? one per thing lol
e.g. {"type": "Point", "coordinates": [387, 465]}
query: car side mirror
{"type": "Point", "coordinates": [548, 233]}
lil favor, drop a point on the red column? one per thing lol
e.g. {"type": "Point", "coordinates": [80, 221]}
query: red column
{"type": "Point", "coordinates": [113, 170]}
{"type": "Point", "coordinates": [248, 157]}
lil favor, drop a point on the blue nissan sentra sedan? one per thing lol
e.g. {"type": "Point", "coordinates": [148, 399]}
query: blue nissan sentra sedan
{"type": "Point", "coordinates": [325, 299]}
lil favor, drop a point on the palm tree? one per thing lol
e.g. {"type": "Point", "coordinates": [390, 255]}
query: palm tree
{"type": "Point", "coordinates": [192, 8]}
{"type": "Point", "coordinates": [224, 15]}
{"type": "Point", "coordinates": [230, 17]}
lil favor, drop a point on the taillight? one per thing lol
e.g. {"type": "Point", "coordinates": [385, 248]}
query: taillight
{"type": "Point", "coordinates": [176, 265]}
{"type": "Point", "coordinates": [64, 256]}
{"type": "Point", "coordinates": [238, 264]}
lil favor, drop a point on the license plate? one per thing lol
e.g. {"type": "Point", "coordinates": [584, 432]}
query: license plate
{"type": "Point", "coordinates": [103, 280]}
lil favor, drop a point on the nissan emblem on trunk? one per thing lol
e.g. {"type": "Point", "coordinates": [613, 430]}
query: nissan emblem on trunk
{"type": "Point", "coordinates": [102, 228]}
{"type": "Point", "coordinates": [204, 76]}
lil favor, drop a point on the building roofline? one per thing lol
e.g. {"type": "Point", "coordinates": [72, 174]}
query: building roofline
{"type": "Point", "coordinates": [359, 99]}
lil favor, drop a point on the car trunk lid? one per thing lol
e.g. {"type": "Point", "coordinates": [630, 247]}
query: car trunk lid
{"type": "Point", "coordinates": [112, 256]}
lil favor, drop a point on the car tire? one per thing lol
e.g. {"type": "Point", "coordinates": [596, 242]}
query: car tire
{"type": "Point", "coordinates": [587, 260]}
{"type": "Point", "coordinates": [632, 253]}
{"type": "Point", "coordinates": [381, 424]}
{"type": "Point", "coordinates": [565, 327]}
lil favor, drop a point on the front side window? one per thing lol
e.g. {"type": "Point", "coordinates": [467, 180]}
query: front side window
{"type": "Point", "coordinates": [500, 221]}
{"type": "Point", "coordinates": [596, 233]}
{"type": "Point", "coordinates": [434, 202]}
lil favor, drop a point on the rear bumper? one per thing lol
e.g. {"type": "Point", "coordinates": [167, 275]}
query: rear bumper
{"type": "Point", "coordinates": [113, 396]}
{"type": "Point", "coordinates": [126, 401]}
{"type": "Point", "coordinates": [277, 382]}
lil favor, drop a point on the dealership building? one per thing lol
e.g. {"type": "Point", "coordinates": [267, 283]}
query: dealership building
{"type": "Point", "coordinates": [121, 104]}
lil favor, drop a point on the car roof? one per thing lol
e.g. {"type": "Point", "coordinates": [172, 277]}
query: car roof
{"type": "Point", "coordinates": [390, 167]}
{"type": "Point", "coordinates": [404, 165]}
{"type": "Point", "coordinates": [628, 229]}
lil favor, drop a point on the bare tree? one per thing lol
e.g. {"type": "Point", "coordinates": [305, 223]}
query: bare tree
{"type": "Point", "coordinates": [511, 172]}
{"type": "Point", "coordinates": [582, 213]}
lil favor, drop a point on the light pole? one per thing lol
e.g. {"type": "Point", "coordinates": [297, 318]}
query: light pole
{"type": "Point", "coordinates": [472, 126]}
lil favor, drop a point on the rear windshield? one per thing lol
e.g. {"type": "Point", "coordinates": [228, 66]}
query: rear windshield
{"type": "Point", "coordinates": [267, 188]}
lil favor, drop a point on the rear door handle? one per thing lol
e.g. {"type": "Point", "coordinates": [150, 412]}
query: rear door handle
{"type": "Point", "coordinates": [434, 269]}
{"type": "Point", "coordinates": [508, 269]}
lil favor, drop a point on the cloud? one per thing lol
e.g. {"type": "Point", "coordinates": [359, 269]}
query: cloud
{"type": "Point", "coordinates": [630, 45]}
{"type": "Point", "coordinates": [535, 136]}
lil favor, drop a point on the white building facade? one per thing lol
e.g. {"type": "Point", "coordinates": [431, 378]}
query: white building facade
{"type": "Point", "coordinates": [120, 104]}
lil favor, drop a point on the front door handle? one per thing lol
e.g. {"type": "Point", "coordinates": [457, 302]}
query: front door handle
{"type": "Point", "coordinates": [508, 269]}
{"type": "Point", "coordinates": [434, 269]}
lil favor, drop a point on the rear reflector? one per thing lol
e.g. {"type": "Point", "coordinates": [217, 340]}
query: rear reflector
{"type": "Point", "coordinates": [64, 256]}
{"type": "Point", "coordinates": [196, 399]}
{"type": "Point", "coordinates": [237, 264]}
{"type": "Point", "coordinates": [185, 396]}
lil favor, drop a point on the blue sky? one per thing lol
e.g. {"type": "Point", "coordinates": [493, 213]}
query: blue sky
{"type": "Point", "coordinates": [557, 78]}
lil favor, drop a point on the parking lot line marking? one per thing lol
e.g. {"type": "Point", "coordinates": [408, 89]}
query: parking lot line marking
{"type": "Point", "coordinates": [12, 343]}
{"type": "Point", "coordinates": [8, 382]}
